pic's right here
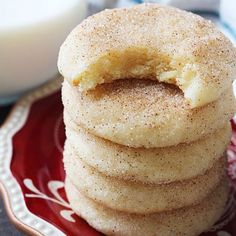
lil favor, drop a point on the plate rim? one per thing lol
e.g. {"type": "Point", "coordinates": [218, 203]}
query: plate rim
{"type": "Point", "coordinates": [10, 189]}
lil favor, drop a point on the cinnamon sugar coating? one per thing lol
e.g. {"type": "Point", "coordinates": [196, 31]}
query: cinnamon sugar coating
{"type": "Point", "coordinates": [150, 41]}
{"type": "Point", "coordinates": [152, 165]}
{"type": "Point", "coordinates": [189, 221]}
{"type": "Point", "coordinates": [140, 198]}
{"type": "Point", "coordinates": [145, 113]}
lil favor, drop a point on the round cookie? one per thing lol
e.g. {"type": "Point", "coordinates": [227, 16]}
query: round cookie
{"type": "Point", "coordinates": [150, 41]}
{"type": "Point", "coordinates": [145, 113]}
{"type": "Point", "coordinates": [136, 197]}
{"type": "Point", "coordinates": [153, 165]}
{"type": "Point", "coordinates": [189, 221]}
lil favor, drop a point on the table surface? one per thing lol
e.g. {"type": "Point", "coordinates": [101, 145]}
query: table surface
{"type": "Point", "coordinates": [6, 227]}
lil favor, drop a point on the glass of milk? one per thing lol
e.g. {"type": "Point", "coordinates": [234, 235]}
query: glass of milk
{"type": "Point", "coordinates": [31, 32]}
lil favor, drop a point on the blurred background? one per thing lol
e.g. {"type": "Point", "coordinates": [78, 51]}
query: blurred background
{"type": "Point", "coordinates": [31, 32]}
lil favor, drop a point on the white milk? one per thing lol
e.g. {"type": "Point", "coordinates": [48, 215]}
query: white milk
{"type": "Point", "coordinates": [31, 32]}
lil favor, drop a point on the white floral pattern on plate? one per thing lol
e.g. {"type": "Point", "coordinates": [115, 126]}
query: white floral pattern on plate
{"type": "Point", "coordinates": [53, 186]}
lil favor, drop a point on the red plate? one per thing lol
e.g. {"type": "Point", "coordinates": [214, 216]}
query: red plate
{"type": "Point", "coordinates": [32, 174]}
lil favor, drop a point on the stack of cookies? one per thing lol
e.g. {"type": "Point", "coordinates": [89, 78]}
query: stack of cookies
{"type": "Point", "coordinates": [147, 101]}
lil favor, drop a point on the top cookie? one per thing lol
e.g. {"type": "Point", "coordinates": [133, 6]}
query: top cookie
{"type": "Point", "coordinates": [150, 41]}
